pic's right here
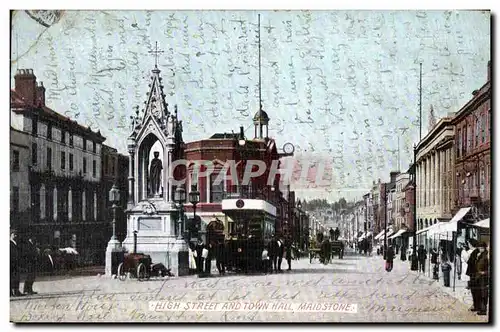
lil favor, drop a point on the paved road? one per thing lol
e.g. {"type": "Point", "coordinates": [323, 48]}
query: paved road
{"type": "Point", "coordinates": [398, 296]}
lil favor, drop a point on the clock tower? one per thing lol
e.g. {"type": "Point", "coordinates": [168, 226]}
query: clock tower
{"type": "Point", "coordinates": [154, 144]}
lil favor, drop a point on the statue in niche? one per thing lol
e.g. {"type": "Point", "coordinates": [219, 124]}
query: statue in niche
{"type": "Point", "coordinates": [155, 174]}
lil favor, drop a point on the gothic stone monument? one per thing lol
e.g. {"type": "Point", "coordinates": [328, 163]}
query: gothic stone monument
{"type": "Point", "coordinates": [151, 210]}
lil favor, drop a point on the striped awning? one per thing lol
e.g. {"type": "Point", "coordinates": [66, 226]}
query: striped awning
{"type": "Point", "coordinates": [398, 233]}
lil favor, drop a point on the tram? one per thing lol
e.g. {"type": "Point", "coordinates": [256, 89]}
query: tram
{"type": "Point", "coordinates": [254, 226]}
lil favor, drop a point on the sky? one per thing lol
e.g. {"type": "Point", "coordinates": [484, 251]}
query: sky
{"type": "Point", "coordinates": [341, 86]}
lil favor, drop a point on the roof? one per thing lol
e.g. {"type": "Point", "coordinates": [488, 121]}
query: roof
{"type": "Point", "coordinates": [261, 115]}
{"type": "Point", "coordinates": [19, 105]}
{"type": "Point", "coordinates": [224, 136]}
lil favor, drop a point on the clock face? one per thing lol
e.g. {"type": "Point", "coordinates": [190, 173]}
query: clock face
{"type": "Point", "coordinates": [240, 203]}
{"type": "Point", "coordinates": [288, 148]}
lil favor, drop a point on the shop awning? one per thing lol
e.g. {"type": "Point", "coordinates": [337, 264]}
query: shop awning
{"type": "Point", "coordinates": [451, 226]}
{"type": "Point", "coordinates": [364, 235]}
{"type": "Point", "coordinates": [436, 229]}
{"type": "Point", "coordinates": [485, 223]}
{"type": "Point", "coordinates": [379, 235]}
{"type": "Point", "coordinates": [398, 233]}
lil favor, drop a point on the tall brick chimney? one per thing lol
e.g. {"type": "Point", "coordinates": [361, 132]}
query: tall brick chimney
{"type": "Point", "coordinates": [40, 95]}
{"type": "Point", "coordinates": [489, 70]}
{"type": "Point", "coordinates": [25, 85]}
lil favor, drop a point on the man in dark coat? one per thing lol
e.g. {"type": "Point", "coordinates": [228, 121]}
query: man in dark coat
{"type": "Point", "coordinates": [422, 257]}
{"type": "Point", "coordinates": [220, 257]}
{"type": "Point", "coordinates": [30, 255]}
{"type": "Point", "coordinates": [389, 259]}
{"type": "Point", "coordinates": [281, 252]}
{"type": "Point", "coordinates": [15, 256]}
{"type": "Point", "coordinates": [481, 278]}
{"type": "Point", "coordinates": [273, 253]}
{"type": "Point", "coordinates": [288, 245]}
{"type": "Point", "coordinates": [199, 259]}
{"type": "Point", "coordinates": [471, 272]}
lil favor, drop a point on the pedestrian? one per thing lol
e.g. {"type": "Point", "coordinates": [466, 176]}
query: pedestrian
{"type": "Point", "coordinates": [403, 253]}
{"type": "Point", "coordinates": [273, 253]}
{"type": "Point", "coordinates": [389, 259]}
{"type": "Point", "coordinates": [30, 255]}
{"type": "Point", "coordinates": [192, 258]}
{"type": "Point", "coordinates": [435, 264]}
{"type": "Point", "coordinates": [471, 272]}
{"type": "Point", "coordinates": [289, 254]}
{"type": "Point", "coordinates": [208, 254]}
{"type": "Point", "coordinates": [199, 256]}
{"type": "Point", "coordinates": [266, 262]}
{"type": "Point", "coordinates": [15, 255]}
{"type": "Point", "coordinates": [481, 278]}
{"type": "Point", "coordinates": [220, 258]}
{"type": "Point", "coordinates": [458, 258]}
{"type": "Point", "coordinates": [422, 257]}
{"type": "Point", "coordinates": [281, 253]}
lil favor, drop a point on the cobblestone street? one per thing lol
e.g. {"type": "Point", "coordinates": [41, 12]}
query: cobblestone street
{"type": "Point", "coordinates": [398, 296]}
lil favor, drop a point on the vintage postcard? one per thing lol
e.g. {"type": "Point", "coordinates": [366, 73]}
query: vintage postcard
{"type": "Point", "coordinates": [250, 166]}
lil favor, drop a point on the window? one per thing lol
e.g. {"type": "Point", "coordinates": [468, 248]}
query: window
{"type": "Point", "coordinates": [106, 160]}
{"type": "Point", "coordinates": [112, 166]}
{"type": "Point", "coordinates": [63, 160]}
{"type": "Point", "coordinates": [481, 181]}
{"type": "Point", "coordinates": [94, 168]}
{"type": "Point", "coordinates": [70, 139]}
{"type": "Point", "coordinates": [49, 159]}
{"type": "Point", "coordinates": [84, 165]}
{"type": "Point", "coordinates": [34, 126]}
{"type": "Point", "coordinates": [94, 147]}
{"type": "Point", "coordinates": [70, 161]}
{"type": "Point", "coordinates": [464, 141]}
{"type": "Point", "coordinates": [49, 131]}
{"type": "Point", "coordinates": [469, 138]}
{"type": "Point", "coordinates": [49, 203]}
{"type": "Point", "coordinates": [15, 199]}
{"type": "Point", "coordinates": [63, 137]}
{"type": "Point", "coordinates": [34, 153]}
{"type": "Point", "coordinates": [478, 128]}
{"type": "Point", "coordinates": [216, 190]}
{"type": "Point", "coordinates": [35, 202]}
{"type": "Point", "coordinates": [15, 161]}
{"type": "Point", "coordinates": [459, 145]}
{"type": "Point", "coordinates": [84, 144]}
{"type": "Point", "coordinates": [483, 128]}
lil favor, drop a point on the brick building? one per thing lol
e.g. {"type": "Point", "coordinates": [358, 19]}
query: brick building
{"type": "Point", "coordinates": [216, 200]}
{"type": "Point", "coordinates": [472, 176]}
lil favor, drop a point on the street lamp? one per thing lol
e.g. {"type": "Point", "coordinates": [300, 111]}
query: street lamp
{"type": "Point", "coordinates": [194, 198]}
{"type": "Point", "coordinates": [180, 198]}
{"type": "Point", "coordinates": [114, 198]}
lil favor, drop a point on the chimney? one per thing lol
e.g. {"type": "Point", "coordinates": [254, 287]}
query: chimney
{"type": "Point", "coordinates": [489, 70]}
{"type": "Point", "coordinates": [25, 85]}
{"type": "Point", "coordinates": [40, 94]}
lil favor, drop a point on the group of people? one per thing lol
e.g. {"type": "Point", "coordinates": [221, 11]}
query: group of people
{"type": "Point", "coordinates": [272, 257]}
{"type": "Point", "coordinates": [269, 259]}
{"type": "Point", "coordinates": [23, 258]}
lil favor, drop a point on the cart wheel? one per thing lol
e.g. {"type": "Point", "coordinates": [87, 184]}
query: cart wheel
{"type": "Point", "coordinates": [142, 273]}
{"type": "Point", "coordinates": [120, 273]}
